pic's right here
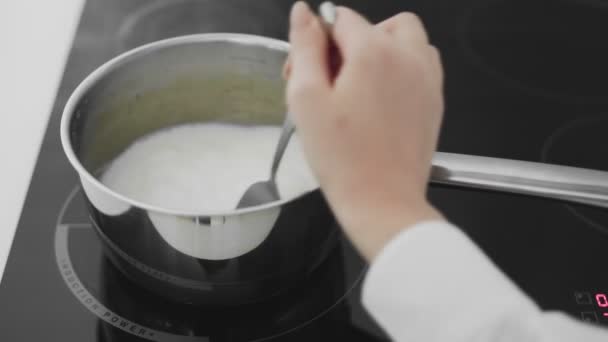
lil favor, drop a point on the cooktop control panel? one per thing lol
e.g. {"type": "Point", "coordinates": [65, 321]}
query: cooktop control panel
{"type": "Point", "coordinates": [593, 306]}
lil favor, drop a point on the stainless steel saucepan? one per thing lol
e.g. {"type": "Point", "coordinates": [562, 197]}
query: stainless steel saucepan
{"type": "Point", "coordinates": [231, 257]}
{"type": "Point", "coordinates": [242, 255]}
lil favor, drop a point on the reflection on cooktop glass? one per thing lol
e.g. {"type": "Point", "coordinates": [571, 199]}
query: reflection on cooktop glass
{"type": "Point", "coordinates": [125, 308]}
{"type": "Point", "coordinates": [165, 19]}
{"type": "Point", "coordinates": [519, 84]}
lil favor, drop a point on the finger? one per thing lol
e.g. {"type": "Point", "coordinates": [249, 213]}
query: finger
{"type": "Point", "coordinates": [287, 68]}
{"type": "Point", "coordinates": [349, 28]}
{"type": "Point", "coordinates": [406, 26]}
{"type": "Point", "coordinates": [308, 47]}
{"type": "Point", "coordinates": [436, 65]}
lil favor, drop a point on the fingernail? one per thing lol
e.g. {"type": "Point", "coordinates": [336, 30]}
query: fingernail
{"type": "Point", "coordinates": [300, 14]}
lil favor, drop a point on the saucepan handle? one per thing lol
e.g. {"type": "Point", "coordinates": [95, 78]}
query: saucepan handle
{"type": "Point", "coordinates": [564, 183]}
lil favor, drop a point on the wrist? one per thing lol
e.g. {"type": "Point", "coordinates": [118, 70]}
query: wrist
{"type": "Point", "coordinates": [373, 225]}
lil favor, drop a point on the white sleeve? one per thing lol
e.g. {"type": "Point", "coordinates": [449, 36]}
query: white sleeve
{"type": "Point", "coordinates": [432, 283]}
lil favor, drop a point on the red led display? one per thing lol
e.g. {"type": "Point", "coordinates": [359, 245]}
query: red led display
{"type": "Point", "coordinates": [602, 301]}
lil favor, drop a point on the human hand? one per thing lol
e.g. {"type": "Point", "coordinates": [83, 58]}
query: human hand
{"type": "Point", "coordinates": [369, 133]}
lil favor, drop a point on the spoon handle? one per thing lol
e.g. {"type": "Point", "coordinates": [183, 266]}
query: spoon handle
{"type": "Point", "coordinates": [328, 14]}
{"type": "Point", "coordinates": [286, 132]}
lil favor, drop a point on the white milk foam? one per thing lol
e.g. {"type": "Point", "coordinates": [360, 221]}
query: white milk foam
{"type": "Point", "coordinates": [205, 167]}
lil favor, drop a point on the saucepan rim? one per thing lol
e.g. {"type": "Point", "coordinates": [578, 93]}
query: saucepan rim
{"type": "Point", "coordinates": [112, 64]}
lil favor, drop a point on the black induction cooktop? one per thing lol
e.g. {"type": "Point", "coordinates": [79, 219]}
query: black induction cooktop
{"type": "Point", "coordinates": [525, 79]}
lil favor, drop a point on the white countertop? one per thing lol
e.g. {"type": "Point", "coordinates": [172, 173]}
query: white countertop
{"type": "Point", "coordinates": [35, 38]}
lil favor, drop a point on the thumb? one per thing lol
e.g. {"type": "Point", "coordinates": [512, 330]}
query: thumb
{"type": "Point", "coordinates": [309, 46]}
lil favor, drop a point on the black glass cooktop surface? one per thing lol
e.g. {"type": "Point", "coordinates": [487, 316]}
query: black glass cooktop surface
{"type": "Point", "coordinates": [519, 84]}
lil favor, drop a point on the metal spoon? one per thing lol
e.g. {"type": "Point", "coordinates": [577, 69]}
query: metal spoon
{"type": "Point", "coordinates": [266, 191]}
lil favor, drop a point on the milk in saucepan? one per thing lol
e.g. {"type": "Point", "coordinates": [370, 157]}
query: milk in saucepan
{"type": "Point", "coordinates": [205, 167]}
